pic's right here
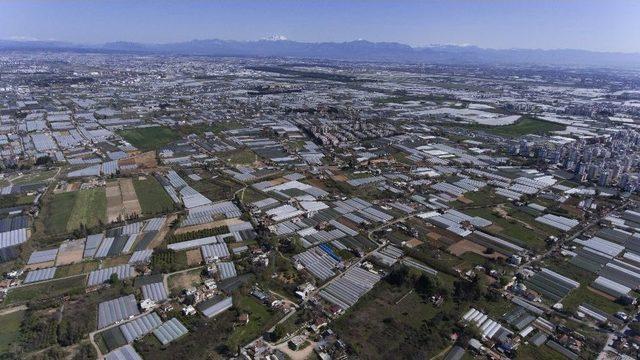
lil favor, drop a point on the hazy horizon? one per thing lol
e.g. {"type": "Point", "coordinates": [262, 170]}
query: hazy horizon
{"type": "Point", "coordinates": [587, 25]}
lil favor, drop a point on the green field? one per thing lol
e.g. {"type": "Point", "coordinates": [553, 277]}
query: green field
{"type": "Point", "coordinates": [260, 319]}
{"type": "Point", "coordinates": [217, 189]}
{"type": "Point", "coordinates": [35, 177]}
{"type": "Point", "coordinates": [514, 228]}
{"type": "Point", "coordinates": [582, 294]}
{"type": "Point", "coordinates": [65, 212]}
{"type": "Point", "coordinates": [46, 290]}
{"type": "Point", "coordinates": [76, 269]}
{"type": "Point", "coordinates": [543, 352]}
{"type": "Point", "coordinates": [9, 330]}
{"type": "Point", "coordinates": [57, 211]}
{"type": "Point", "coordinates": [15, 200]}
{"type": "Point", "coordinates": [526, 125]}
{"type": "Point", "coordinates": [152, 197]}
{"type": "Point", "coordinates": [90, 209]}
{"type": "Point", "coordinates": [241, 157]}
{"type": "Point", "coordinates": [395, 322]}
{"type": "Point", "coordinates": [149, 138]}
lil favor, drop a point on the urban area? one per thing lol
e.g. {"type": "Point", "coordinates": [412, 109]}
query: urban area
{"type": "Point", "coordinates": [184, 207]}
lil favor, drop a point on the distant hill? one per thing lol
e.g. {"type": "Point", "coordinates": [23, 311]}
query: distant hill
{"type": "Point", "coordinates": [360, 50]}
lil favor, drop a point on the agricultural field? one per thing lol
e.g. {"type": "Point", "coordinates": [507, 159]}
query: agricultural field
{"type": "Point", "coordinates": [76, 269]}
{"type": "Point", "coordinates": [122, 202]}
{"type": "Point", "coordinates": [89, 209]}
{"type": "Point", "coordinates": [9, 329]}
{"type": "Point", "coordinates": [166, 261]}
{"type": "Point", "coordinates": [396, 322]}
{"type": "Point", "coordinates": [515, 225]}
{"type": "Point", "coordinates": [68, 211]}
{"type": "Point", "coordinates": [152, 197]}
{"type": "Point", "coordinates": [149, 138]}
{"type": "Point", "coordinates": [46, 290]}
{"type": "Point", "coordinates": [220, 188]}
{"type": "Point", "coordinates": [241, 157]}
{"type": "Point", "coordinates": [15, 200]}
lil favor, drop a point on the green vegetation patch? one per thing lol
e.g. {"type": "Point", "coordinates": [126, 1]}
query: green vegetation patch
{"type": "Point", "coordinates": [519, 227]}
{"type": "Point", "coordinates": [217, 189]}
{"type": "Point", "coordinates": [149, 138]}
{"type": "Point", "coordinates": [9, 329]}
{"type": "Point", "coordinates": [76, 269]}
{"type": "Point", "coordinates": [89, 210]}
{"type": "Point", "coordinates": [260, 320]}
{"type": "Point", "coordinates": [15, 200]}
{"type": "Point", "coordinates": [66, 212]}
{"type": "Point", "coordinates": [241, 157]}
{"type": "Point", "coordinates": [167, 261]}
{"type": "Point", "coordinates": [524, 126]}
{"type": "Point", "coordinates": [46, 290]}
{"type": "Point", "coordinates": [152, 197]}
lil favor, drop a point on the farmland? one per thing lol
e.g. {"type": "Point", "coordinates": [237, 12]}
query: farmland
{"type": "Point", "coordinates": [152, 197]}
{"type": "Point", "coordinates": [149, 138]}
{"type": "Point", "coordinates": [69, 211]}
{"type": "Point", "coordinates": [9, 329]}
{"type": "Point", "coordinates": [46, 290]}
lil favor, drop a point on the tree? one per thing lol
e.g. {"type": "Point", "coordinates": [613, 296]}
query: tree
{"type": "Point", "coordinates": [278, 332]}
{"type": "Point", "coordinates": [426, 285]}
{"type": "Point", "coordinates": [113, 279]}
{"type": "Point", "coordinates": [397, 276]}
{"type": "Point", "coordinates": [469, 290]}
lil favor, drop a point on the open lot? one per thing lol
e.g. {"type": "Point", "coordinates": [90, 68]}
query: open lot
{"type": "Point", "coordinates": [184, 280]}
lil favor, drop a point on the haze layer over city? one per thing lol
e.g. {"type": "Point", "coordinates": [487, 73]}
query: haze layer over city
{"type": "Point", "coordinates": [319, 180]}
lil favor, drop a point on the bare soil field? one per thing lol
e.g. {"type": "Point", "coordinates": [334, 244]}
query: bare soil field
{"type": "Point", "coordinates": [70, 252]}
{"type": "Point", "coordinates": [122, 201]}
{"type": "Point", "coordinates": [194, 257]}
{"type": "Point", "coordinates": [130, 202]}
{"type": "Point", "coordinates": [464, 246]}
{"type": "Point", "coordinates": [114, 201]}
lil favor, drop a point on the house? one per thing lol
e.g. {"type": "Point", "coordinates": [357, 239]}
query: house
{"type": "Point", "coordinates": [304, 290]}
{"type": "Point", "coordinates": [189, 310]}
{"type": "Point", "coordinates": [296, 342]}
{"type": "Point", "coordinates": [147, 304]}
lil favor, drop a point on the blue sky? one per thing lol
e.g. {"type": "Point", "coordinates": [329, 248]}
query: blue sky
{"type": "Point", "coordinates": [605, 25]}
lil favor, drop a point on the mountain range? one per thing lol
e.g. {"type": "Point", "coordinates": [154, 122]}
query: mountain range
{"type": "Point", "coordinates": [360, 50]}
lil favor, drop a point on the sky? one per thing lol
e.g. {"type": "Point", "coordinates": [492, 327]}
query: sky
{"type": "Point", "coordinates": [600, 25]}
